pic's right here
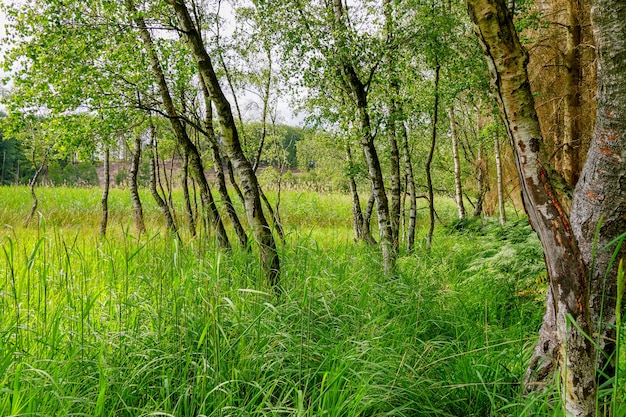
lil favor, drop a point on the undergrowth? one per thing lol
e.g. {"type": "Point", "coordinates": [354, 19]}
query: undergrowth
{"type": "Point", "coordinates": [127, 326]}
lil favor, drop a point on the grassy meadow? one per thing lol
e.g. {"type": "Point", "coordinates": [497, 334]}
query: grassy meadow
{"type": "Point", "coordinates": [148, 326]}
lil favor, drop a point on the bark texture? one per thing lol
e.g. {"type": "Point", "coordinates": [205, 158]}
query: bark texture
{"type": "Point", "coordinates": [32, 184]}
{"type": "Point", "coordinates": [429, 180]}
{"type": "Point", "coordinates": [219, 168]}
{"type": "Point", "coordinates": [195, 161]}
{"type": "Point", "coordinates": [458, 184]}
{"type": "Point", "coordinates": [499, 179]}
{"type": "Point", "coordinates": [600, 195]}
{"type": "Point", "coordinates": [561, 344]}
{"type": "Point", "coordinates": [572, 81]}
{"type": "Point", "coordinates": [410, 186]}
{"type": "Point", "coordinates": [358, 92]}
{"type": "Point", "coordinates": [104, 201]}
{"type": "Point", "coordinates": [134, 189]}
{"type": "Point", "coordinates": [252, 199]}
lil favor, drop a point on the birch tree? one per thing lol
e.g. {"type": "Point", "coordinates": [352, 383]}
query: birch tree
{"type": "Point", "coordinates": [580, 277]}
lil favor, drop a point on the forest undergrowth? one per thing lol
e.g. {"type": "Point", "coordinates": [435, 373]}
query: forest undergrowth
{"type": "Point", "coordinates": [150, 326]}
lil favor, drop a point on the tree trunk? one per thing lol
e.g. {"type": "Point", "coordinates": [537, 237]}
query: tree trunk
{"type": "Point", "coordinates": [134, 188]}
{"type": "Point", "coordinates": [361, 229]}
{"type": "Point", "coordinates": [184, 182]}
{"type": "Point", "coordinates": [499, 180]}
{"type": "Point", "coordinates": [429, 180]}
{"type": "Point", "coordinates": [562, 344]}
{"type": "Point", "coordinates": [274, 215]}
{"type": "Point", "coordinates": [599, 202]}
{"type": "Point", "coordinates": [367, 215]}
{"type": "Point", "coordinates": [219, 168]}
{"type": "Point", "coordinates": [396, 186]}
{"type": "Point", "coordinates": [392, 134]}
{"type": "Point", "coordinates": [32, 184]}
{"type": "Point", "coordinates": [480, 181]}
{"type": "Point", "coordinates": [104, 201]}
{"type": "Point", "coordinates": [458, 184]}
{"type": "Point", "coordinates": [195, 161]}
{"type": "Point", "coordinates": [358, 91]}
{"type": "Point", "coordinates": [165, 208]}
{"type": "Point", "coordinates": [251, 192]}
{"type": "Point", "coordinates": [572, 87]}
{"type": "Point", "coordinates": [410, 185]}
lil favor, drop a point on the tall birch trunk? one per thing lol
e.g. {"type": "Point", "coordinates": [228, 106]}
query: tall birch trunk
{"type": "Point", "coordinates": [429, 179]}
{"type": "Point", "coordinates": [184, 183]}
{"type": "Point", "coordinates": [361, 228]}
{"type": "Point", "coordinates": [32, 184]}
{"type": "Point", "coordinates": [134, 188]}
{"type": "Point", "coordinates": [480, 181]}
{"type": "Point", "coordinates": [195, 161]}
{"type": "Point", "coordinates": [161, 203]}
{"type": "Point", "coordinates": [251, 192]}
{"type": "Point", "coordinates": [104, 201]}
{"type": "Point", "coordinates": [410, 186]}
{"type": "Point", "coordinates": [219, 168]}
{"type": "Point", "coordinates": [499, 180]}
{"type": "Point", "coordinates": [358, 92]}
{"type": "Point", "coordinates": [458, 184]}
{"type": "Point", "coordinates": [562, 345]}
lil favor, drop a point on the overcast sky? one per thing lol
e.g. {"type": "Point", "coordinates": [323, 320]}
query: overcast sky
{"type": "Point", "coordinates": [285, 113]}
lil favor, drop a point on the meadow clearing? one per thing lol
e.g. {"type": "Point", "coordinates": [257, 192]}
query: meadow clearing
{"type": "Point", "coordinates": [128, 325]}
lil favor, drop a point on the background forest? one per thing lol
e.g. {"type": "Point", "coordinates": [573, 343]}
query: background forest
{"type": "Point", "coordinates": [306, 208]}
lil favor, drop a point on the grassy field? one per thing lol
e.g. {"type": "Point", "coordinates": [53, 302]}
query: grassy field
{"type": "Point", "coordinates": [149, 326]}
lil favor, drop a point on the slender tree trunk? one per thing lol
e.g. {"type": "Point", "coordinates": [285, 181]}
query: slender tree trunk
{"type": "Point", "coordinates": [233, 180]}
{"type": "Point", "coordinates": [167, 191]}
{"type": "Point", "coordinates": [273, 215]}
{"type": "Point", "coordinates": [4, 160]}
{"type": "Point", "coordinates": [499, 180]}
{"type": "Point", "coordinates": [252, 195]}
{"type": "Point", "coordinates": [396, 186]}
{"type": "Point", "coordinates": [195, 161]}
{"type": "Point", "coordinates": [572, 81]}
{"type": "Point", "coordinates": [599, 202]}
{"type": "Point", "coordinates": [184, 182]}
{"type": "Point", "coordinates": [266, 99]}
{"type": "Point", "coordinates": [367, 216]}
{"type": "Point", "coordinates": [134, 188]}
{"type": "Point", "coordinates": [480, 181]}
{"type": "Point", "coordinates": [458, 183]}
{"type": "Point", "coordinates": [410, 185]}
{"type": "Point", "coordinates": [429, 180]}
{"type": "Point", "coordinates": [219, 168]}
{"type": "Point", "coordinates": [104, 201]}
{"type": "Point", "coordinates": [562, 344]}
{"type": "Point", "coordinates": [392, 123]}
{"type": "Point", "coordinates": [358, 91]}
{"type": "Point", "coordinates": [165, 209]}
{"type": "Point", "coordinates": [361, 230]}
{"type": "Point", "coordinates": [32, 183]}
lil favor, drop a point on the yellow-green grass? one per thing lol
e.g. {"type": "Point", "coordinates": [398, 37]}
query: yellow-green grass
{"type": "Point", "coordinates": [151, 326]}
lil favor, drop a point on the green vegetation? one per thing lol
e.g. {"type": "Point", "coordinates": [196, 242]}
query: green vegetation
{"type": "Point", "coordinates": [126, 327]}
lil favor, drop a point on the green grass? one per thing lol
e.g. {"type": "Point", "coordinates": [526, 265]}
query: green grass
{"type": "Point", "coordinates": [127, 326]}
